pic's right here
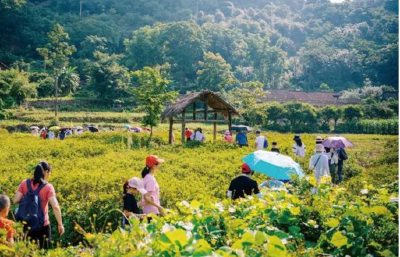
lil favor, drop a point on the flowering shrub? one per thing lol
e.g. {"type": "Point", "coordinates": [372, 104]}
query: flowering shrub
{"type": "Point", "coordinates": [89, 170]}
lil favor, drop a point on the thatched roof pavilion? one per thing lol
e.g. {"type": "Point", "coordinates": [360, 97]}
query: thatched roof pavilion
{"type": "Point", "coordinates": [199, 105]}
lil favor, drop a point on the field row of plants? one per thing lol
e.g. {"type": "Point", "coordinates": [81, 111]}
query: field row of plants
{"type": "Point", "coordinates": [383, 127]}
{"type": "Point", "coordinates": [89, 170]}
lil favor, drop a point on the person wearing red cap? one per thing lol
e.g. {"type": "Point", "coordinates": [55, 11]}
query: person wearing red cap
{"type": "Point", "coordinates": [243, 184]}
{"type": "Point", "coordinates": [151, 200]}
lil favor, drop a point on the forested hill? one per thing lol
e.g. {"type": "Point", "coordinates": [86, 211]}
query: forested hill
{"type": "Point", "coordinates": [308, 45]}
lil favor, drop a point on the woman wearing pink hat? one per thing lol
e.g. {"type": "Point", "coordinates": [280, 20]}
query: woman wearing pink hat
{"type": "Point", "coordinates": [228, 138]}
{"type": "Point", "coordinates": [151, 200]}
{"type": "Point", "coordinates": [132, 187]}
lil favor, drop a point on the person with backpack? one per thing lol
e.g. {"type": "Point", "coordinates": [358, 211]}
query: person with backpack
{"type": "Point", "coordinates": [299, 148]}
{"type": "Point", "coordinates": [6, 224]}
{"type": "Point", "coordinates": [342, 156]}
{"type": "Point", "coordinates": [319, 163]}
{"type": "Point", "coordinates": [332, 161]}
{"type": "Point", "coordinates": [261, 141]}
{"type": "Point", "coordinates": [34, 196]}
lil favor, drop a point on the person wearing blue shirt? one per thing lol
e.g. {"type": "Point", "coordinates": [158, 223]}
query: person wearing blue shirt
{"type": "Point", "coordinates": [241, 139]}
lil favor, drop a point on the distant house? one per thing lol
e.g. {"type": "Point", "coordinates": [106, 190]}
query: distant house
{"type": "Point", "coordinates": [317, 99]}
{"type": "Point", "coordinates": [3, 66]}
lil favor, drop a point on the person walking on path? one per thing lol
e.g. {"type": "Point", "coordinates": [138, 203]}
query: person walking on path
{"type": "Point", "coordinates": [198, 135]}
{"type": "Point", "coordinates": [40, 232]}
{"type": "Point", "coordinates": [342, 156]}
{"type": "Point", "coordinates": [261, 141]}
{"type": "Point", "coordinates": [6, 224]}
{"type": "Point", "coordinates": [332, 161]}
{"type": "Point", "coordinates": [299, 148]}
{"type": "Point", "coordinates": [274, 148]}
{"type": "Point", "coordinates": [241, 139]}
{"type": "Point", "coordinates": [132, 187]}
{"type": "Point", "coordinates": [151, 200]}
{"type": "Point", "coordinates": [319, 163]}
{"type": "Point", "coordinates": [188, 134]}
{"type": "Point", "coordinates": [243, 184]}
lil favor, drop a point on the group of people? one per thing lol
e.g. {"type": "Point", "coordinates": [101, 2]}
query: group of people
{"type": "Point", "coordinates": [36, 194]}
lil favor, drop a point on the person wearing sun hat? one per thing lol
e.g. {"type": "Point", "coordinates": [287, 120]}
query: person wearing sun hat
{"type": "Point", "coordinates": [228, 137]}
{"type": "Point", "coordinates": [299, 148]}
{"type": "Point", "coordinates": [319, 163]}
{"type": "Point", "coordinates": [243, 184]}
{"type": "Point", "coordinates": [132, 187]}
{"type": "Point", "coordinates": [151, 200]}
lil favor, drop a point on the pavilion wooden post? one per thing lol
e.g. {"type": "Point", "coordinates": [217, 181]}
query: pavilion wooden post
{"type": "Point", "coordinates": [215, 127]}
{"type": "Point", "coordinates": [183, 126]}
{"type": "Point", "coordinates": [206, 108]}
{"type": "Point", "coordinates": [230, 122]}
{"type": "Point", "coordinates": [194, 111]}
{"type": "Point", "coordinates": [171, 123]}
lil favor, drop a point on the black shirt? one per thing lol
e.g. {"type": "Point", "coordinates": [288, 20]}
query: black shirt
{"type": "Point", "coordinates": [276, 150]}
{"type": "Point", "coordinates": [130, 204]}
{"type": "Point", "coordinates": [243, 185]}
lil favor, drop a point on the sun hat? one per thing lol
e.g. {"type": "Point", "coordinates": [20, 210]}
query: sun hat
{"type": "Point", "coordinates": [152, 160]}
{"type": "Point", "coordinates": [319, 148]}
{"type": "Point", "coordinates": [227, 132]}
{"type": "Point", "coordinates": [138, 184]}
{"type": "Point", "coordinates": [246, 168]}
{"type": "Point", "coordinates": [296, 137]}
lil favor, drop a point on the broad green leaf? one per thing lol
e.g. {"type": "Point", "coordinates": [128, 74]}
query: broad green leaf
{"type": "Point", "coordinates": [260, 238]}
{"type": "Point", "coordinates": [203, 248]}
{"type": "Point", "coordinates": [178, 235]}
{"type": "Point", "coordinates": [386, 253]}
{"type": "Point", "coordinates": [338, 239]}
{"type": "Point", "coordinates": [295, 210]}
{"type": "Point", "coordinates": [238, 245]}
{"type": "Point", "coordinates": [275, 247]}
{"type": "Point", "coordinates": [332, 222]}
{"type": "Point", "coordinates": [248, 238]}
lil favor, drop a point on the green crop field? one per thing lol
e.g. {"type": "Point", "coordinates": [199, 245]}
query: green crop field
{"type": "Point", "coordinates": [89, 171]}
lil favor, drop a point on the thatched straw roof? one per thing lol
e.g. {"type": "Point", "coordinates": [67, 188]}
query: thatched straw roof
{"type": "Point", "coordinates": [214, 101]}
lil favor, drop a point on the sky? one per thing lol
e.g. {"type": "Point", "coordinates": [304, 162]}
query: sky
{"type": "Point", "coordinates": [337, 1]}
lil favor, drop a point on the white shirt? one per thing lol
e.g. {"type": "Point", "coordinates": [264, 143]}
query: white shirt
{"type": "Point", "coordinates": [299, 151]}
{"type": "Point", "coordinates": [198, 136]}
{"type": "Point", "coordinates": [319, 163]}
{"type": "Point", "coordinates": [260, 142]}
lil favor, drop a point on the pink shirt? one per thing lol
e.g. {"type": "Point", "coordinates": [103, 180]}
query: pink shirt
{"type": "Point", "coordinates": [151, 185]}
{"type": "Point", "coordinates": [228, 138]}
{"type": "Point", "coordinates": [44, 194]}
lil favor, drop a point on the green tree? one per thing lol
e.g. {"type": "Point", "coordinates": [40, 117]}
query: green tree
{"type": "Point", "coordinates": [56, 54]}
{"type": "Point", "coordinates": [69, 80]}
{"type": "Point", "coordinates": [275, 112]}
{"type": "Point", "coordinates": [351, 112]}
{"type": "Point", "coordinates": [327, 113]}
{"type": "Point", "coordinates": [246, 99]}
{"type": "Point", "coordinates": [15, 87]}
{"type": "Point", "coordinates": [214, 73]}
{"type": "Point", "coordinates": [109, 79]}
{"type": "Point", "coordinates": [299, 113]}
{"type": "Point", "coordinates": [151, 93]}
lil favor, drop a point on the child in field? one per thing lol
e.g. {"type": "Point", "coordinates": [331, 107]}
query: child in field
{"type": "Point", "coordinates": [274, 148]}
{"type": "Point", "coordinates": [6, 224]}
{"type": "Point", "coordinates": [228, 138]}
{"type": "Point", "coordinates": [132, 187]}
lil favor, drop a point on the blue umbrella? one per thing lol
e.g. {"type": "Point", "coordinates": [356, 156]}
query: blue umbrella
{"type": "Point", "coordinates": [127, 126]}
{"type": "Point", "coordinates": [273, 164]}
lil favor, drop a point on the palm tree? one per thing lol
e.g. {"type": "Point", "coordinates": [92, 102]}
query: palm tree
{"type": "Point", "coordinates": [69, 80]}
